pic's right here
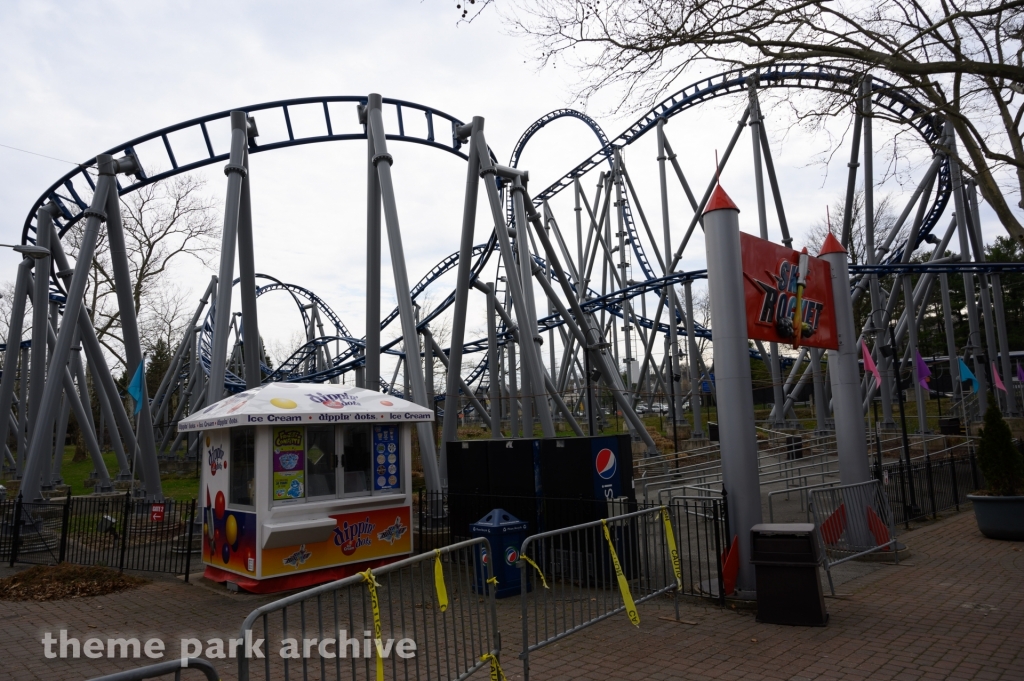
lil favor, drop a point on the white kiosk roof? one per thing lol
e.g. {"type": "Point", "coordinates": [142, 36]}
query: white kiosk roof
{"type": "Point", "coordinates": [305, 403]}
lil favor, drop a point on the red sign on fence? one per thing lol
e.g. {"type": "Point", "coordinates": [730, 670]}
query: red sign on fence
{"type": "Point", "coordinates": [770, 281]}
{"type": "Point", "coordinates": [156, 513]}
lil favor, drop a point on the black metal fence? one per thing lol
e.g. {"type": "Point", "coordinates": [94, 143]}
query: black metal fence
{"type": "Point", "coordinates": [113, 531]}
{"type": "Point", "coordinates": [930, 484]}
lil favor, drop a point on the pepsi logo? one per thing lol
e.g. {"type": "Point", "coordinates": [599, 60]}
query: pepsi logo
{"type": "Point", "coordinates": [511, 555]}
{"type": "Point", "coordinates": [483, 556]}
{"type": "Point", "coordinates": [606, 464]}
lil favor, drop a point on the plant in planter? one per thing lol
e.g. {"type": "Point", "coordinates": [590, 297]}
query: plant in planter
{"type": "Point", "coordinates": [1000, 509]}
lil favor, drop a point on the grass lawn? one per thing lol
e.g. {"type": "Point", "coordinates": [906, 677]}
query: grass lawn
{"type": "Point", "coordinates": [75, 475]}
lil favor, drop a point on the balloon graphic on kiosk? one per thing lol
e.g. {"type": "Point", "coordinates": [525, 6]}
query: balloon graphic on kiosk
{"type": "Point", "coordinates": [219, 507]}
{"type": "Point", "coordinates": [231, 532]}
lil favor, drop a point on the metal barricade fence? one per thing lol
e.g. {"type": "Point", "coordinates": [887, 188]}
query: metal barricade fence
{"type": "Point", "coordinates": [577, 576]}
{"type": "Point", "coordinates": [166, 668]}
{"type": "Point", "coordinates": [852, 521]}
{"type": "Point", "coordinates": [442, 601]}
{"type": "Point", "coordinates": [700, 527]}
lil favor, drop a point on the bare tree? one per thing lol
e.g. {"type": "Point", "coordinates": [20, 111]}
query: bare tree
{"type": "Point", "coordinates": [163, 222]}
{"type": "Point", "coordinates": [964, 60]}
{"type": "Point", "coordinates": [833, 221]}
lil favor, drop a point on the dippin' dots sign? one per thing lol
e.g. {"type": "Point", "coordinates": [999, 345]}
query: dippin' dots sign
{"type": "Point", "coordinates": [220, 649]}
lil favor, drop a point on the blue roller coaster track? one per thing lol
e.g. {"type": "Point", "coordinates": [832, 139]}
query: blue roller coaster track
{"type": "Point", "coordinates": [409, 122]}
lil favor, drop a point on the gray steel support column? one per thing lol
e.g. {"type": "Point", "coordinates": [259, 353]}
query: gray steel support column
{"type": "Point", "coordinates": [1004, 346]}
{"type": "Point", "coordinates": [978, 245]}
{"type": "Point", "coordinates": [74, 402]}
{"type": "Point", "coordinates": [57, 461]}
{"type": "Point", "coordinates": [737, 433]}
{"type": "Point", "coordinates": [620, 202]}
{"type": "Point", "coordinates": [10, 373]}
{"type": "Point", "coordinates": [118, 424]}
{"type": "Point", "coordinates": [494, 389]}
{"type": "Point", "coordinates": [974, 341]}
{"type": "Point", "coordinates": [582, 326]}
{"type": "Point", "coordinates": [450, 431]}
{"type": "Point", "coordinates": [382, 161]}
{"type": "Point", "coordinates": [910, 314]}
{"type": "Point", "coordinates": [675, 373]}
{"type": "Point", "coordinates": [431, 347]}
{"type": "Point", "coordinates": [23, 433]}
{"type": "Point", "coordinates": [83, 413]}
{"type": "Point", "coordinates": [49, 401]}
{"type": "Point", "coordinates": [869, 246]}
{"type": "Point", "coordinates": [247, 285]}
{"type": "Point", "coordinates": [236, 172]}
{"type": "Point", "coordinates": [908, 294]}
{"type": "Point", "coordinates": [40, 322]}
{"type": "Point", "coordinates": [844, 370]}
{"type": "Point", "coordinates": [533, 377]}
{"type": "Point", "coordinates": [951, 353]}
{"type": "Point", "coordinates": [149, 466]}
{"type": "Point", "coordinates": [428, 366]}
{"type": "Point", "coordinates": [691, 340]}
{"type": "Point", "coordinates": [774, 368]}
{"type": "Point", "coordinates": [522, 296]}
{"type": "Point", "coordinates": [769, 165]}
{"type": "Point", "coordinates": [103, 384]}
{"type": "Point", "coordinates": [820, 398]}
{"type": "Point", "coordinates": [373, 254]}
{"type": "Point", "coordinates": [513, 391]}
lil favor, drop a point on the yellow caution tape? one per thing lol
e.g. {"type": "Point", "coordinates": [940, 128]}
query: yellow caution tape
{"type": "Point", "coordinates": [372, 585]}
{"type": "Point", "coordinates": [442, 592]}
{"type": "Point", "coordinates": [537, 568]}
{"type": "Point", "coordinates": [496, 673]}
{"type": "Point", "coordinates": [673, 550]}
{"type": "Point", "coordinates": [627, 598]}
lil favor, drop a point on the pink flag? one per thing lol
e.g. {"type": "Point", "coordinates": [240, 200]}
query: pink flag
{"type": "Point", "coordinates": [1020, 373]}
{"type": "Point", "coordinates": [995, 377]}
{"type": "Point", "coordinates": [869, 364]}
{"type": "Point", "coordinates": [923, 372]}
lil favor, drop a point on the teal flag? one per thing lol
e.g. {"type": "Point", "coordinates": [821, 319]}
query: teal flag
{"type": "Point", "coordinates": [966, 375]}
{"type": "Point", "coordinates": [135, 387]}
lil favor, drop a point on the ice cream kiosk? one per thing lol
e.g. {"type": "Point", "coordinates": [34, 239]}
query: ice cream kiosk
{"type": "Point", "coordinates": [303, 484]}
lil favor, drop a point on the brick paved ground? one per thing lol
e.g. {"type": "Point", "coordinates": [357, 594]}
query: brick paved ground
{"type": "Point", "coordinates": [955, 610]}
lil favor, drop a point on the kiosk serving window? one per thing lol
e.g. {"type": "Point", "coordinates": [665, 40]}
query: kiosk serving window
{"type": "Point", "coordinates": [243, 465]}
{"type": "Point", "coordinates": [319, 462]}
{"type": "Point", "coordinates": [357, 460]}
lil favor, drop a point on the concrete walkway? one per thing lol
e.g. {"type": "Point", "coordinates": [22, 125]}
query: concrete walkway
{"type": "Point", "coordinates": [954, 610]}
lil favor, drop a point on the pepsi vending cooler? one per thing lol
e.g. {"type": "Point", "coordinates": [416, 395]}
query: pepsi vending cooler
{"type": "Point", "coordinates": [514, 478]}
{"type": "Point", "coordinates": [587, 479]}
{"type": "Point", "coordinates": [468, 484]}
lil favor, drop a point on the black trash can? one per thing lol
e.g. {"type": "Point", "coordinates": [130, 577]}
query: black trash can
{"type": "Point", "coordinates": [785, 556]}
{"type": "Point", "coordinates": [712, 431]}
{"type": "Point", "coordinates": [505, 533]}
{"type": "Point", "coordinates": [950, 426]}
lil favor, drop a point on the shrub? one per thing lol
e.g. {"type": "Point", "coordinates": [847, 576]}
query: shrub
{"type": "Point", "coordinates": [999, 459]}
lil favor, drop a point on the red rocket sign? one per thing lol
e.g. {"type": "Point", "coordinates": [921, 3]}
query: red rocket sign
{"type": "Point", "coordinates": [771, 279]}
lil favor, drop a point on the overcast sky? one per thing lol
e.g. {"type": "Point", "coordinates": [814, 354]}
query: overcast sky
{"type": "Point", "coordinates": [78, 78]}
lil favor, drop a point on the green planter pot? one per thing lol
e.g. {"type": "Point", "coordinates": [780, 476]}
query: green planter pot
{"type": "Point", "coordinates": [999, 517]}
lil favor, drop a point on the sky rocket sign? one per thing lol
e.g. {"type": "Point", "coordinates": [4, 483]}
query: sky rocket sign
{"type": "Point", "coordinates": [770, 277]}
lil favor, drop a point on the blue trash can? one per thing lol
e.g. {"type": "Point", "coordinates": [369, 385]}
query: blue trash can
{"type": "Point", "coordinates": [505, 533]}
